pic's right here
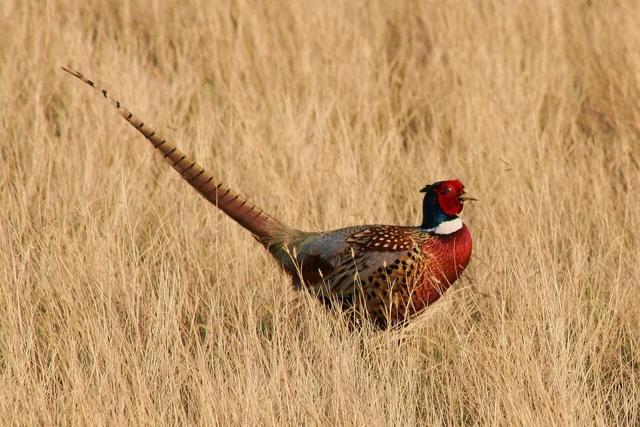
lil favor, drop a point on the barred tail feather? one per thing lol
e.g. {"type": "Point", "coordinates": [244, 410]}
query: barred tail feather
{"type": "Point", "coordinates": [261, 224]}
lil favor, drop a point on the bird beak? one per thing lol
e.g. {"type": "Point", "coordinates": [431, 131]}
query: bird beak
{"type": "Point", "coordinates": [464, 198]}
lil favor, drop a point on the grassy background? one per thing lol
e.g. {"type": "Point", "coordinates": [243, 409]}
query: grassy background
{"type": "Point", "coordinates": [126, 298]}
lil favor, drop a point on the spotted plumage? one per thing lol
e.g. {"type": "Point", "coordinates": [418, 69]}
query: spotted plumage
{"type": "Point", "coordinates": [385, 273]}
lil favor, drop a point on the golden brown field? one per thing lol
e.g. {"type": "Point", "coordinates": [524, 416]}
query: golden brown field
{"type": "Point", "coordinates": [127, 299]}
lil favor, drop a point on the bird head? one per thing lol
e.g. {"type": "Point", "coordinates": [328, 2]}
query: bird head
{"type": "Point", "coordinates": [443, 201]}
{"type": "Point", "coordinates": [449, 195]}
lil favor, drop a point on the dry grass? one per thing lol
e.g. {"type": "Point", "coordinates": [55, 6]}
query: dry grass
{"type": "Point", "coordinates": [126, 299]}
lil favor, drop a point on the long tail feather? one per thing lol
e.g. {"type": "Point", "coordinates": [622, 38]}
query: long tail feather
{"type": "Point", "coordinates": [262, 225]}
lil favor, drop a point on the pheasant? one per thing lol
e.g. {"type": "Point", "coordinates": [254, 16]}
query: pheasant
{"type": "Point", "coordinates": [386, 273]}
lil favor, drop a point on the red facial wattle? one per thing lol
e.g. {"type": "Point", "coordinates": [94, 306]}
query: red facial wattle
{"type": "Point", "coordinates": [450, 204]}
{"type": "Point", "coordinates": [448, 194]}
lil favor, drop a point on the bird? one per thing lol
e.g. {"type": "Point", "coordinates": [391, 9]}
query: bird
{"type": "Point", "coordinates": [384, 273]}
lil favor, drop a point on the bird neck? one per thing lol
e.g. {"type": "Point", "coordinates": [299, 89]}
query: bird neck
{"type": "Point", "coordinates": [447, 227]}
{"type": "Point", "coordinates": [435, 221]}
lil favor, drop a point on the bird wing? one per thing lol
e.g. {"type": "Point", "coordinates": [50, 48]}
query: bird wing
{"type": "Point", "coordinates": [369, 265]}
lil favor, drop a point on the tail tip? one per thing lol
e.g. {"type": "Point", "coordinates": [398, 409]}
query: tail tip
{"type": "Point", "coordinates": [69, 70]}
{"type": "Point", "coordinates": [76, 74]}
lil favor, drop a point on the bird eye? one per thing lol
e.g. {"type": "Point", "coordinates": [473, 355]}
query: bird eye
{"type": "Point", "coordinates": [446, 190]}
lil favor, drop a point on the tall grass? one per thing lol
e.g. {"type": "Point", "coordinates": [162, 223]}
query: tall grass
{"type": "Point", "coordinates": [126, 299]}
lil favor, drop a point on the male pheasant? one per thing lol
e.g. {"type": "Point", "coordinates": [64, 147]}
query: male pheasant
{"type": "Point", "coordinates": [384, 272]}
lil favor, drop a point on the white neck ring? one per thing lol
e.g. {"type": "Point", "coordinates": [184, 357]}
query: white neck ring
{"type": "Point", "coordinates": [447, 227]}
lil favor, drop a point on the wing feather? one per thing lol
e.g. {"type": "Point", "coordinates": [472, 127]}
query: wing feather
{"type": "Point", "coordinates": [369, 267]}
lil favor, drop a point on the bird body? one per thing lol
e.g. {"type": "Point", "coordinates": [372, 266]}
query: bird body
{"type": "Point", "coordinates": [386, 273]}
